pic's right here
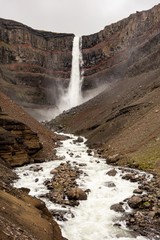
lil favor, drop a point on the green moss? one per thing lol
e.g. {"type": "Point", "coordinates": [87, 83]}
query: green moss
{"type": "Point", "coordinates": [146, 204]}
{"type": "Point", "coordinates": [147, 158]}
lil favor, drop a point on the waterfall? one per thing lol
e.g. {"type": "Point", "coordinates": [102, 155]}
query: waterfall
{"type": "Point", "coordinates": [72, 96]}
{"type": "Point", "coordinates": [74, 89]}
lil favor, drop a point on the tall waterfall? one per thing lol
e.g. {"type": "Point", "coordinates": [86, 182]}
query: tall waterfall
{"type": "Point", "coordinates": [74, 89]}
{"type": "Point", "coordinates": [72, 96]}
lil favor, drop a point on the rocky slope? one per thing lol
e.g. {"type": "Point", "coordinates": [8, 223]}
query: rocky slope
{"type": "Point", "coordinates": [23, 140]}
{"type": "Point", "coordinates": [19, 118]}
{"type": "Point", "coordinates": [17, 142]}
{"type": "Point", "coordinates": [32, 63]}
{"type": "Point", "coordinates": [123, 121]}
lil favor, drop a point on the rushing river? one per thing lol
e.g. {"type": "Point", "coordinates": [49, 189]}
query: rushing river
{"type": "Point", "coordinates": [93, 218]}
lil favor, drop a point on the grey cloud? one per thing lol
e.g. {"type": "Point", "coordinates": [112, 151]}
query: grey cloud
{"type": "Point", "coordinates": [74, 16]}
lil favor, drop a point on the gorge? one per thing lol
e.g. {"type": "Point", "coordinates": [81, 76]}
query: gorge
{"type": "Point", "coordinates": [121, 124]}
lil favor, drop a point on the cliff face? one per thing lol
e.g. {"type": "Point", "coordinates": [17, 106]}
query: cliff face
{"type": "Point", "coordinates": [125, 48]}
{"type": "Point", "coordinates": [33, 63]}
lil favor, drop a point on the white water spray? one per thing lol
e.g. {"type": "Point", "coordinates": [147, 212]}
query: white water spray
{"type": "Point", "coordinates": [74, 90]}
{"type": "Point", "coordinates": [72, 96]}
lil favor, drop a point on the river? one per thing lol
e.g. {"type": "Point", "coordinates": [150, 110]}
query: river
{"type": "Point", "coordinates": [93, 218]}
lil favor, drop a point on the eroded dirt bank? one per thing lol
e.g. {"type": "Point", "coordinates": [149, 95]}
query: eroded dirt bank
{"type": "Point", "coordinates": [23, 140]}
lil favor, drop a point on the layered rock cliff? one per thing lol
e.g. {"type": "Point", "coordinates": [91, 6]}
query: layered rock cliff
{"type": "Point", "coordinates": [23, 138]}
{"type": "Point", "coordinates": [126, 48]}
{"type": "Point", "coordinates": [33, 63]}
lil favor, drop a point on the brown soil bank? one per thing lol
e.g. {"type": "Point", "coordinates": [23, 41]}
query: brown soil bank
{"type": "Point", "coordinates": [122, 120]}
{"type": "Point", "coordinates": [14, 113]}
{"type": "Point", "coordinates": [22, 216]}
{"type": "Point", "coordinates": [23, 139]}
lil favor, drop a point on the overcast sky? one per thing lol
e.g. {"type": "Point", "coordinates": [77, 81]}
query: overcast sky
{"type": "Point", "coordinates": [80, 17]}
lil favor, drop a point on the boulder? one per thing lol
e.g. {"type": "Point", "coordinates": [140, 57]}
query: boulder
{"type": "Point", "coordinates": [135, 201]}
{"type": "Point", "coordinates": [76, 194]}
{"type": "Point", "coordinates": [112, 159]}
{"type": "Point", "coordinates": [112, 172]}
{"type": "Point", "coordinates": [117, 207]}
{"type": "Point", "coordinates": [138, 191]}
{"type": "Point", "coordinates": [79, 139]}
{"type": "Point", "coordinates": [53, 171]}
{"type": "Point", "coordinates": [110, 184]}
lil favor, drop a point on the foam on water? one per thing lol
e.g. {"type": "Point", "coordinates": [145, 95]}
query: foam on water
{"type": "Point", "coordinates": [93, 218]}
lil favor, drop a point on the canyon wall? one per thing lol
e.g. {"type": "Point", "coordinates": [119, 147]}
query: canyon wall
{"type": "Point", "coordinates": [125, 48]}
{"type": "Point", "coordinates": [33, 63]}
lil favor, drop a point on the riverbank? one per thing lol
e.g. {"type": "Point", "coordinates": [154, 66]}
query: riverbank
{"type": "Point", "coordinates": [109, 193]}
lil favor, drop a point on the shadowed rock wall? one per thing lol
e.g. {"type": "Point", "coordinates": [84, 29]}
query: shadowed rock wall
{"type": "Point", "coordinates": [33, 63]}
{"type": "Point", "coordinates": [123, 48]}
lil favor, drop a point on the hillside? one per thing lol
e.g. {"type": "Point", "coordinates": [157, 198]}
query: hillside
{"type": "Point", "coordinates": [23, 140]}
{"type": "Point", "coordinates": [124, 118]}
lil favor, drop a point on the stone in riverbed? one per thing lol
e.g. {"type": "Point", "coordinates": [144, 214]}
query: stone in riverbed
{"type": "Point", "coordinates": [53, 171]}
{"type": "Point", "coordinates": [110, 184]}
{"type": "Point", "coordinates": [117, 207]}
{"type": "Point", "coordinates": [113, 159]}
{"type": "Point", "coordinates": [135, 201]}
{"type": "Point", "coordinates": [112, 173]}
{"type": "Point", "coordinates": [78, 140]}
{"type": "Point", "coordinates": [82, 164]}
{"type": "Point", "coordinates": [76, 194]}
{"type": "Point", "coordinates": [138, 191]}
{"type": "Point", "coordinates": [89, 151]}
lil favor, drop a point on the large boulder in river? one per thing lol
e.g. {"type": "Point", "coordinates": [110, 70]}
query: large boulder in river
{"type": "Point", "coordinates": [112, 172]}
{"type": "Point", "coordinates": [135, 201]}
{"type": "Point", "coordinates": [76, 194]}
{"type": "Point", "coordinates": [118, 207]}
{"type": "Point", "coordinates": [78, 140]}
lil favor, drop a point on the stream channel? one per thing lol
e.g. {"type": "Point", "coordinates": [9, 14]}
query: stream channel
{"type": "Point", "coordinates": [93, 219]}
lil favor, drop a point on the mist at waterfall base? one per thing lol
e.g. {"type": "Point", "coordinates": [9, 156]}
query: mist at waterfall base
{"type": "Point", "coordinates": [71, 96]}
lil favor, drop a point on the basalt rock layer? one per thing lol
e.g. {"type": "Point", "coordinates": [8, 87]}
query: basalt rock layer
{"type": "Point", "coordinates": [33, 64]}
{"type": "Point", "coordinates": [18, 143]}
{"type": "Point", "coordinates": [127, 48]}
{"type": "Point", "coordinates": [18, 127]}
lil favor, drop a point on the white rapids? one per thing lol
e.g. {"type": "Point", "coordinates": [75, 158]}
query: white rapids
{"type": "Point", "coordinates": [93, 218]}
